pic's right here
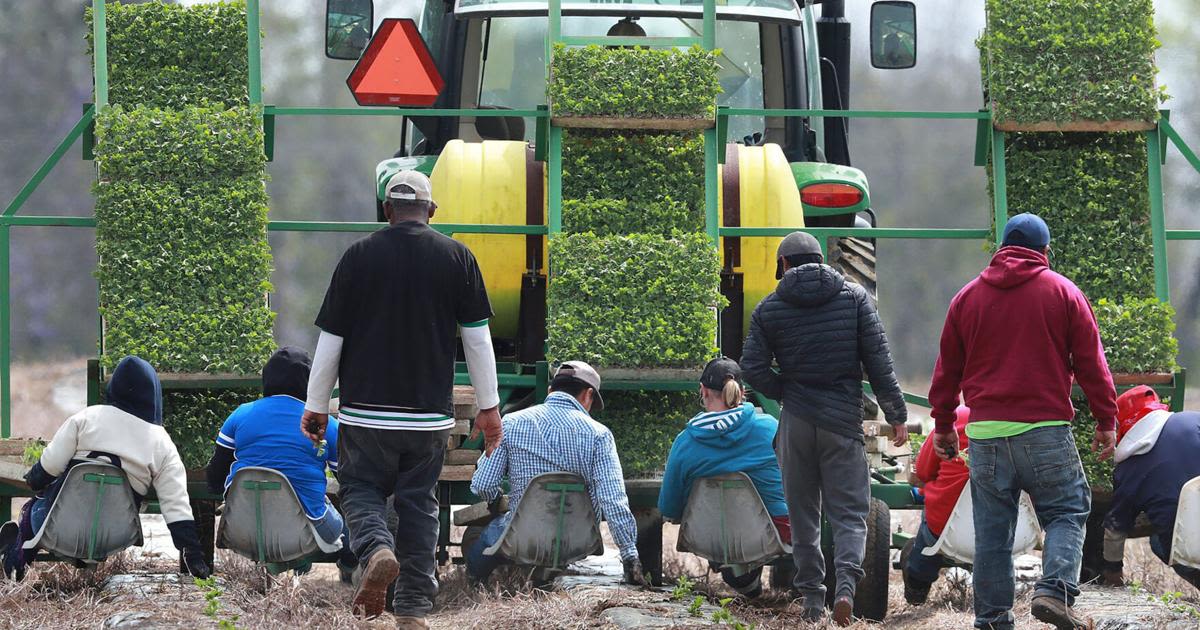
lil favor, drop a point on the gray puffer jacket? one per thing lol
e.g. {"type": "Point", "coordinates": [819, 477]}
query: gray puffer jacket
{"type": "Point", "coordinates": [823, 331]}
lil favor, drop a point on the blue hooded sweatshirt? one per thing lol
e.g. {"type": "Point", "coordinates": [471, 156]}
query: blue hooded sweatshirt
{"type": "Point", "coordinates": [719, 442]}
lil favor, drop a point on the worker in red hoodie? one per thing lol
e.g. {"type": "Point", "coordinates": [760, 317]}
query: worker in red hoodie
{"type": "Point", "coordinates": [943, 481]}
{"type": "Point", "coordinates": [1013, 340]}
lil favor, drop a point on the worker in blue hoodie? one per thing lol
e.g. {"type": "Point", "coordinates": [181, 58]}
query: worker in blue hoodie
{"type": "Point", "coordinates": [127, 431]}
{"type": "Point", "coordinates": [728, 437]}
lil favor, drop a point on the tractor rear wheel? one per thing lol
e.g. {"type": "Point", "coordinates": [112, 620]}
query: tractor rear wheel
{"type": "Point", "coordinates": [871, 596]}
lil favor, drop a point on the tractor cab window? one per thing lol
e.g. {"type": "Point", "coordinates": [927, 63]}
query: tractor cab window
{"type": "Point", "coordinates": [510, 70]}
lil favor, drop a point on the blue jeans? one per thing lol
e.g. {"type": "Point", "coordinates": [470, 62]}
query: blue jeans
{"type": "Point", "coordinates": [332, 526]}
{"type": "Point", "coordinates": [479, 566]}
{"type": "Point", "coordinates": [37, 514]}
{"type": "Point", "coordinates": [920, 567]}
{"type": "Point", "coordinates": [1044, 463]}
{"type": "Point", "coordinates": [1160, 544]}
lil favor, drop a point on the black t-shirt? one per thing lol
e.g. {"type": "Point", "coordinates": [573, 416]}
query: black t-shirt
{"type": "Point", "coordinates": [397, 298]}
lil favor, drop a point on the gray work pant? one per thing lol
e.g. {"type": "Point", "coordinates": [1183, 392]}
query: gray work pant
{"type": "Point", "coordinates": [376, 463]}
{"type": "Point", "coordinates": [824, 470]}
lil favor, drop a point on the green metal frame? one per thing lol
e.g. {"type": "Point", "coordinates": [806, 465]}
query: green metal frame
{"type": "Point", "coordinates": [549, 147]}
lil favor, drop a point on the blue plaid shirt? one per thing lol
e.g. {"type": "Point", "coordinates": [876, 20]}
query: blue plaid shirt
{"type": "Point", "coordinates": [560, 436]}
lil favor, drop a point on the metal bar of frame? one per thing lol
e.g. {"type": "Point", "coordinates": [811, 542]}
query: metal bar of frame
{"type": "Point", "coordinates": [100, 52]}
{"type": "Point", "coordinates": [5, 335]}
{"type": "Point", "coordinates": [712, 217]}
{"type": "Point", "coordinates": [253, 54]}
{"type": "Point", "coordinates": [855, 113]}
{"type": "Point", "coordinates": [1158, 234]}
{"type": "Point", "coordinates": [856, 232]}
{"type": "Point", "coordinates": [30, 186]}
{"type": "Point", "coordinates": [1177, 140]}
{"type": "Point", "coordinates": [277, 110]}
{"type": "Point", "coordinates": [554, 174]}
{"type": "Point", "coordinates": [1183, 235]}
{"type": "Point", "coordinates": [999, 185]}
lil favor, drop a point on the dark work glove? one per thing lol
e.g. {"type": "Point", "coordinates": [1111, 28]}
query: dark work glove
{"type": "Point", "coordinates": [499, 505]}
{"type": "Point", "coordinates": [193, 559]}
{"type": "Point", "coordinates": [633, 572]}
{"type": "Point", "coordinates": [37, 477]}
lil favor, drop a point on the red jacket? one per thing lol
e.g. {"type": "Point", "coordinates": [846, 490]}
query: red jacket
{"type": "Point", "coordinates": [943, 480]}
{"type": "Point", "coordinates": [1013, 338]}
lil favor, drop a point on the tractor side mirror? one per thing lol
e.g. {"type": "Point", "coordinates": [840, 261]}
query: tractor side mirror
{"type": "Point", "coordinates": [348, 26]}
{"type": "Point", "coordinates": [893, 35]}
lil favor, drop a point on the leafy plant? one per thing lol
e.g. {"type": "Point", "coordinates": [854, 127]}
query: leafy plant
{"type": "Point", "coordinates": [33, 452]}
{"type": "Point", "coordinates": [633, 301]}
{"type": "Point", "coordinates": [181, 208]}
{"type": "Point", "coordinates": [694, 607]}
{"type": "Point", "coordinates": [171, 55]}
{"type": "Point", "coordinates": [683, 588]}
{"type": "Point", "coordinates": [633, 82]}
{"type": "Point", "coordinates": [1067, 60]}
{"type": "Point", "coordinates": [604, 217]}
{"type": "Point", "coordinates": [644, 425]}
{"type": "Point", "coordinates": [212, 603]}
{"type": "Point", "coordinates": [1137, 335]}
{"type": "Point", "coordinates": [641, 168]}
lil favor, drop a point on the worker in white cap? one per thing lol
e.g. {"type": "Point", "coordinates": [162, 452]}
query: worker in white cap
{"type": "Point", "coordinates": [398, 300]}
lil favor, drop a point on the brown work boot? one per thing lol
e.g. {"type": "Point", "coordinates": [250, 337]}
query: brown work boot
{"type": "Point", "coordinates": [411, 623]}
{"type": "Point", "coordinates": [1057, 613]}
{"type": "Point", "coordinates": [378, 573]}
{"type": "Point", "coordinates": [843, 610]}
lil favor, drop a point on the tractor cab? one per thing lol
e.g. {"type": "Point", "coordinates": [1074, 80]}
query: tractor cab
{"type": "Point", "coordinates": [773, 55]}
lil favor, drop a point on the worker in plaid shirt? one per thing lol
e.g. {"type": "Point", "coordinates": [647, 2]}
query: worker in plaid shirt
{"type": "Point", "coordinates": [558, 435]}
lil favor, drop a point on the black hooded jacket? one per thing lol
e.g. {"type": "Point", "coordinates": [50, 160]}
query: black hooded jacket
{"type": "Point", "coordinates": [823, 331]}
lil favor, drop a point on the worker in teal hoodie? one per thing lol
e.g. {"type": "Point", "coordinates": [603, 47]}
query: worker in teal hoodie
{"type": "Point", "coordinates": [728, 437]}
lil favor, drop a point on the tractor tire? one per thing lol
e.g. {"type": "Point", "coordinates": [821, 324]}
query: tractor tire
{"type": "Point", "coordinates": [782, 574]}
{"type": "Point", "coordinates": [855, 258]}
{"type": "Point", "coordinates": [871, 596]}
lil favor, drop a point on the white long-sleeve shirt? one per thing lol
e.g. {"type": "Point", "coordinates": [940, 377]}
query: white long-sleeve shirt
{"type": "Point", "coordinates": [148, 456]}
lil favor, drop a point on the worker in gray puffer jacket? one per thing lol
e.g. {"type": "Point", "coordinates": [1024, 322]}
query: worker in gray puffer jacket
{"type": "Point", "coordinates": [822, 331]}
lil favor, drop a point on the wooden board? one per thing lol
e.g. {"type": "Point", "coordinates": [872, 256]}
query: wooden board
{"type": "Point", "coordinates": [478, 514]}
{"type": "Point", "coordinates": [15, 446]}
{"type": "Point", "coordinates": [877, 444]}
{"type": "Point", "coordinates": [1150, 378]}
{"type": "Point", "coordinates": [613, 122]}
{"type": "Point", "coordinates": [462, 457]}
{"type": "Point", "coordinates": [13, 472]}
{"type": "Point", "coordinates": [1105, 126]}
{"type": "Point", "coordinates": [649, 374]}
{"type": "Point", "coordinates": [465, 411]}
{"type": "Point", "coordinates": [457, 473]}
{"type": "Point", "coordinates": [464, 394]}
{"type": "Point", "coordinates": [461, 427]}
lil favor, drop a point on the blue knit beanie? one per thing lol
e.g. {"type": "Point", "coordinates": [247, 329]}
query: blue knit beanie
{"type": "Point", "coordinates": [1026, 230]}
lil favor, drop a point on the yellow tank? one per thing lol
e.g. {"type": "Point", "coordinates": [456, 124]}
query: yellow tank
{"type": "Point", "coordinates": [767, 197]}
{"type": "Point", "coordinates": [485, 183]}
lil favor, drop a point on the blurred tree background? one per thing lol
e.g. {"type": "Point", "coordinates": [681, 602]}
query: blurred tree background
{"type": "Point", "coordinates": [921, 172]}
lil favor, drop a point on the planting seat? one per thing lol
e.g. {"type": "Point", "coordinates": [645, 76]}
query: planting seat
{"type": "Point", "coordinates": [264, 521]}
{"type": "Point", "coordinates": [553, 525]}
{"type": "Point", "coordinates": [957, 541]}
{"type": "Point", "coordinates": [1185, 542]}
{"type": "Point", "coordinates": [93, 516]}
{"type": "Point", "coordinates": [726, 522]}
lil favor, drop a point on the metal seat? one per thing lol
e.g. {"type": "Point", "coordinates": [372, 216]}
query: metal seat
{"type": "Point", "coordinates": [1185, 541]}
{"type": "Point", "coordinates": [957, 541]}
{"type": "Point", "coordinates": [264, 521]}
{"type": "Point", "coordinates": [726, 522]}
{"type": "Point", "coordinates": [93, 516]}
{"type": "Point", "coordinates": [553, 525]}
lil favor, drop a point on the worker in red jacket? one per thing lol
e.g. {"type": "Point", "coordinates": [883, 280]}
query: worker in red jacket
{"type": "Point", "coordinates": [1014, 340]}
{"type": "Point", "coordinates": [942, 482]}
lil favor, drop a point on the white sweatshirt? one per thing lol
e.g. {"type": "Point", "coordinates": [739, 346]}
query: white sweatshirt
{"type": "Point", "coordinates": [148, 456]}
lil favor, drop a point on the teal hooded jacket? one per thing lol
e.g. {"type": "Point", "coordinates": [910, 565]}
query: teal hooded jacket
{"type": "Point", "coordinates": [719, 442]}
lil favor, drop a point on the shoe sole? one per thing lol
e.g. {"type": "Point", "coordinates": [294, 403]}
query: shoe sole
{"type": "Point", "coordinates": [371, 597]}
{"type": "Point", "coordinates": [843, 611]}
{"type": "Point", "coordinates": [1047, 614]}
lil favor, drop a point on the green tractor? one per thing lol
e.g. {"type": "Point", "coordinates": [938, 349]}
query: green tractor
{"type": "Point", "coordinates": [785, 171]}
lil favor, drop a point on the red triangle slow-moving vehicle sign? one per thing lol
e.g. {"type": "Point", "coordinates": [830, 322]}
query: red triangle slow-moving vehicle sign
{"type": "Point", "coordinates": [396, 68]}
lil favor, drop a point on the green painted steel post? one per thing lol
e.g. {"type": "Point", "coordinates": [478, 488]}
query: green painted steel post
{"type": "Point", "coordinates": [253, 53]}
{"type": "Point", "coordinates": [5, 336]}
{"type": "Point", "coordinates": [555, 181]}
{"type": "Point", "coordinates": [999, 184]}
{"type": "Point", "coordinates": [710, 24]}
{"type": "Point", "coordinates": [712, 220]}
{"type": "Point", "coordinates": [1158, 231]}
{"type": "Point", "coordinates": [100, 53]}
{"type": "Point", "coordinates": [553, 31]}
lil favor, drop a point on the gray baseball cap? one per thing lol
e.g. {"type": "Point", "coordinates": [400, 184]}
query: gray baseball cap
{"type": "Point", "coordinates": [583, 372]}
{"type": "Point", "coordinates": [796, 244]}
{"type": "Point", "coordinates": [409, 186]}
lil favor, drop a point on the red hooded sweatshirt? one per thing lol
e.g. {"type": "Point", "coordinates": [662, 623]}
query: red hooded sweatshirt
{"type": "Point", "coordinates": [943, 481]}
{"type": "Point", "coordinates": [1013, 338]}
